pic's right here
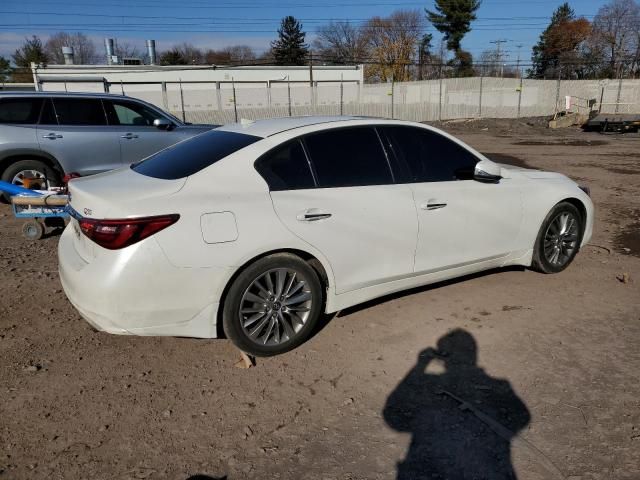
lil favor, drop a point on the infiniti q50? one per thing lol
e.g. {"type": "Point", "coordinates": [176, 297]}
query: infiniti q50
{"type": "Point", "coordinates": [256, 229]}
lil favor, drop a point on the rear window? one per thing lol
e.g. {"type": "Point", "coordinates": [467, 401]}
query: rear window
{"type": "Point", "coordinates": [20, 110]}
{"type": "Point", "coordinates": [191, 156]}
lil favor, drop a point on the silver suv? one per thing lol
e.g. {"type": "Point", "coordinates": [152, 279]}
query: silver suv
{"type": "Point", "coordinates": [44, 136]}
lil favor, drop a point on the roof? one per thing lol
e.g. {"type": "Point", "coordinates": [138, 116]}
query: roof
{"type": "Point", "coordinates": [14, 93]}
{"type": "Point", "coordinates": [272, 126]}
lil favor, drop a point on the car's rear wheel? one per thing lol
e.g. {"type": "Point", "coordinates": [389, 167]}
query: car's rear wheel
{"type": "Point", "coordinates": [273, 305]}
{"type": "Point", "coordinates": [31, 174]}
{"type": "Point", "coordinates": [559, 239]}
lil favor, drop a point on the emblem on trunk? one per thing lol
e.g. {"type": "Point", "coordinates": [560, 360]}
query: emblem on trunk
{"type": "Point", "coordinates": [87, 211]}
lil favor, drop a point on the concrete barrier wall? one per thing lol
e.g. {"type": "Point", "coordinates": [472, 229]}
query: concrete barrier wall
{"type": "Point", "coordinates": [430, 100]}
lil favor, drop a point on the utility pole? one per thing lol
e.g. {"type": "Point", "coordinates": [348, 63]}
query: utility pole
{"type": "Point", "coordinates": [499, 54]}
{"type": "Point", "coordinates": [519, 46]}
{"type": "Point", "coordinates": [310, 68]}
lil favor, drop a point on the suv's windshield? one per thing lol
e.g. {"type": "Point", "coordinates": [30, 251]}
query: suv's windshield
{"type": "Point", "coordinates": [191, 156]}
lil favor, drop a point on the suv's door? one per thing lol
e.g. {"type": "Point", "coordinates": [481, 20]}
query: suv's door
{"type": "Point", "coordinates": [18, 124]}
{"type": "Point", "coordinates": [461, 221]}
{"type": "Point", "coordinates": [362, 222]}
{"type": "Point", "coordinates": [74, 131]}
{"type": "Point", "coordinates": [139, 138]}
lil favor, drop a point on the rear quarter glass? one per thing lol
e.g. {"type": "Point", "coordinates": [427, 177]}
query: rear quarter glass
{"type": "Point", "coordinates": [191, 156]}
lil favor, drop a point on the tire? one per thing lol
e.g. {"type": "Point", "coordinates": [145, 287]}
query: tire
{"type": "Point", "coordinates": [559, 239]}
{"type": "Point", "coordinates": [261, 324]}
{"type": "Point", "coordinates": [33, 230]}
{"type": "Point", "coordinates": [42, 170]}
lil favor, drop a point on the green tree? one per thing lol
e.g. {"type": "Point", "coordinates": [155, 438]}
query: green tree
{"type": "Point", "coordinates": [5, 69]}
{"type": "Point", "coordinates": [31, 51]}
{"type": "Point", "coordinates": [289, 48]}
{"type": "Point", "coordinates": [173, 57]}
{"type": "Point", "coordinates": [453, 19]}
{"type": "Point", "coordinates": [544, 60]}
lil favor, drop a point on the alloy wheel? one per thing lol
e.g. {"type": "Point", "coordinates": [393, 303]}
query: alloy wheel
{"type": "Point", "coordinates": [561, 239]}
{"type": "Point", "coordinates": [275, 306]}
{"type": "Point", "coordinates": [20, 177]}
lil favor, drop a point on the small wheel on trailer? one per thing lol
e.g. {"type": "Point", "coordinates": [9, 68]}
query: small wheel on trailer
{"type": "Point", "coordinates": [33, 230]}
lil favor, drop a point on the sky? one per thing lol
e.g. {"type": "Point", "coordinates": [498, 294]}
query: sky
{"type": "Point", "coordinates": [219, 23]}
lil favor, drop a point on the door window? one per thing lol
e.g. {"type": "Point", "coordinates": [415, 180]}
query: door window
{"type": "Point", "coordinates": [348, 157]}
{"type": "Point", "coordinates": [430, 156]}
{"type": "Point", "coordinates": [48, 115]}
{"type": "Point", "coordinates": [79, 111]}
{"type": "Point", "coordinates": [286, 168]}
{"type": "Point", "coordinates": [20, 110]}
{"type": "Point", "coordinates": [122, 112]}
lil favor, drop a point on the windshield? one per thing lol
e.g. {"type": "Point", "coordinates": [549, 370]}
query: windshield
{"type": "Point", "coordinates": [191, 156]}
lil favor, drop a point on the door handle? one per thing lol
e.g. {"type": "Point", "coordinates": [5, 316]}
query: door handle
{"type": "Point", "coordinates": [431, 205]}
{"type": "Point", "coordinates": [129, 136]}
{"type": "Point", "coordinates": [313, 215]}
{"type": "Point", "coordinates": [52, 136]}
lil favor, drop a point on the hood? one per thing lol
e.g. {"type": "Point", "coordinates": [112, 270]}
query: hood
{"type": "Point", "coordinates": [115, 194]}
{"type": "Point", "coordinates": [511, 171]}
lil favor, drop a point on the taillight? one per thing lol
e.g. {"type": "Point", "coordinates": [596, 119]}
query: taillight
{"type": "Point", "coordinates": [115, 234]}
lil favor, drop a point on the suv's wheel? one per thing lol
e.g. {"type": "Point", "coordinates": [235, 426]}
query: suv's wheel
{"type": "Point", "coordinates": [273, 305]}
{"type": "Point", "coordinates": [33, 174]}
{"type": "Point", "coordinates": [559, 239]}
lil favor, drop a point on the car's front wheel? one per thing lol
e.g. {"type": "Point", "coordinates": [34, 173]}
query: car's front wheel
{"type": "Point", "coordinates": [273, 305]}
{"type": "Point", "coordinates": [31, 174]}
{"type": "Point", "coordinates": [559, 239]}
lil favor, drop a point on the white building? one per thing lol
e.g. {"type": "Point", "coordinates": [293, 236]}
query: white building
{"type": "Point", "coordinates": [213, 93]}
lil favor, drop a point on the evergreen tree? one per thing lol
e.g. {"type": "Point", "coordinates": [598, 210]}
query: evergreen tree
{"type": "Point", "coordinates": [5, 69]}
{"type": "Point", "coordinates": [31, 51]}
{"type": "Point", "coordinates": [542, 59]}
{"type": "Point", "coordinates": [453, 19]}
{"type": "Point", "coordinates": [289, 48]}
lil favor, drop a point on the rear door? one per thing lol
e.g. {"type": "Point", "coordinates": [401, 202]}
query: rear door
{"type": "Point", "coordinates": [461, 221]}
{"type": "Point", "coordinates": [335, 190]}
{"type": "Point", "coordinates": [18, 125]}
{"type": "Point", "coordinates": [74, 130]}
{"type": "Point", "coordinates": [136, 133]}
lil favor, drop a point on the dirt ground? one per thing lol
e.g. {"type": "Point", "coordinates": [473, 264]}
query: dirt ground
{"type": "Point", "coordinates": [548, 366]}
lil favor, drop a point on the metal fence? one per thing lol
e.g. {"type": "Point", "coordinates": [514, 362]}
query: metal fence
{"type": "Point", "coordinates": [429, 100]}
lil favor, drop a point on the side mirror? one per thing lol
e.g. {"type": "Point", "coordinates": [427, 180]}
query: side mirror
{"type": "Point", "coordinates": [162, 123]}
{"type": "Point", "coordinates": [487, 172]}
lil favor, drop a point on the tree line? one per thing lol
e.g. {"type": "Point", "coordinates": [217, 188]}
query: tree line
{"type": "Point", "coordinates": [397, 47]}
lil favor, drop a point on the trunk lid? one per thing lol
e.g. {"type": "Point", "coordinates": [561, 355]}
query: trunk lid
{"type": "Point", "coordinates": [117, 194]}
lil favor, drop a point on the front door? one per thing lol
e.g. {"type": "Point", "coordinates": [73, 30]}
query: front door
{"type": "Point", "coordinates": [133, 124]}
{"type": "Point", "coordinates": [460, 220]}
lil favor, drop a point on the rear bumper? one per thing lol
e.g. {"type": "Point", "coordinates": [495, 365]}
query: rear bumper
{"type": "Point", "coordinates": [136, 291]}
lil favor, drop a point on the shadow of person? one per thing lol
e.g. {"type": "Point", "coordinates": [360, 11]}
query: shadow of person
{"type": "Point", "coordinates": [462, 420]}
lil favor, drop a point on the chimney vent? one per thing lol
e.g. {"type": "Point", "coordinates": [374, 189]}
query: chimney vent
{"type": "Point", "coordinates": [67, 52]}
{"type": "Point", "coordinates": [151, 51]}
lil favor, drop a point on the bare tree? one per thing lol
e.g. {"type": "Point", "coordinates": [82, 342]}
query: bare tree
{"type": "Point", "coordinates": [340, 42]}
{"type": "Point", "coordinates": [127, 50]}
{"type": "Point", "coordinates": [240, 54]}
{"type": "Point", "coordinates": [615, 33]}
{"type": "Point", "coordinates": [231, 55]}
{"type": "Point", "coordinates": [392, 41]}
{"type": "Point", "coordinates": [192, 54]}
{"type": "Point", "coordinates": [84, 50]}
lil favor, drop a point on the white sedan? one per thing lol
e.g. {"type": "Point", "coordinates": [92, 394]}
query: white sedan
{"type": "Point", "coordinates": [256, 229]}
